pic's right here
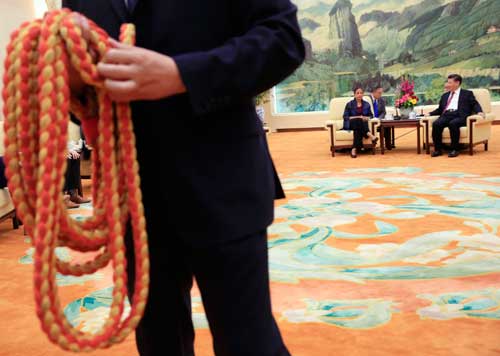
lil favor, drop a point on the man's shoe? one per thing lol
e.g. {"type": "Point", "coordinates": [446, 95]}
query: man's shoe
{"type": "Point", "coordinates": [69, 204]}
{"type": "Point", "coordinates": [453, 153]}
{"type": "Point", "coordinates": [436, 154]}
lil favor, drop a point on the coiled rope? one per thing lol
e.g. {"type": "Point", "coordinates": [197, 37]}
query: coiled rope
{"type": "Point", "coordinates": [37, 103]}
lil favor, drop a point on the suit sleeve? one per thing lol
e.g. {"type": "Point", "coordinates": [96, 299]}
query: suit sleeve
{"type": "Point", "coordinates": [369, 110]}
{"type": "Point", "coordinates": [269, 49]}
{"type": "Point", "coordinates": [474, 104]}
{"type": "Point", "coordinates": [383, 112]}
{"type": "Point", "coordinates": [70, 4]}
{"type": "Point", "coordinates": [347, 112]}
{"type": "Point", "coordinates": [440, 108]}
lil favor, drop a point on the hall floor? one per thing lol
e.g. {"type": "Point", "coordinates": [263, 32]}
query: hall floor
{"type": "Point", "coordinates": [381, 255]}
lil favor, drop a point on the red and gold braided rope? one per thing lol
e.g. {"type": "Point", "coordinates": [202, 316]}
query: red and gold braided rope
{"type": "Point", "coordinates": [37, 103]}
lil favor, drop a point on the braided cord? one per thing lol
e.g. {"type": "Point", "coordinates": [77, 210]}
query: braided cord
{"type": "Point", "coordinates": [37, 104]}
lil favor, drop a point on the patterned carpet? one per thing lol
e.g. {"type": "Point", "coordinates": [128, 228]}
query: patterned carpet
{"type": "Point", "coordinates": [382, 255]}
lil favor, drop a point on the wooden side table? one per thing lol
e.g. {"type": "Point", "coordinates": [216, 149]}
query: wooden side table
{"type": "Point", "coordinates": [394, 124]}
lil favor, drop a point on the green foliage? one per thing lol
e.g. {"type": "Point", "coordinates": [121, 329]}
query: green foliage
{"type": "Point", "coordinates": [358, 65]}
{"type": "Point", "coordinates": [368, 83]}
{"type": "Point", "coordinates": [471, 23]}
{"type": "Point", "coordinates": [328, 57]}
{"type": "Point", "coordinates": [311, 97]}
{"type": "Point", "coordinates": [415, 14]}
{"type": "Point", "coordinates": [435, 90]}
{"type": "Point", "coordinates": [481, 81]}
{"type": "Point", "coordinates": [424, 82]}
{"type": "Point", "coordinates": [483, 62]}
{"type": "Point", "coordinates": [310, 71]}
{"type": "Point", "coordinates": [473, 51]}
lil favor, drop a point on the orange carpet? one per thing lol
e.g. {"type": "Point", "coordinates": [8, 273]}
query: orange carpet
{"type": "Point", "coordinates": [380, 255]}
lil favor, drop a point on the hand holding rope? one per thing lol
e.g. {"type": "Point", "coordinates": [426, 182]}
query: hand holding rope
{"type": "Point", "coordinates": [37, 101]}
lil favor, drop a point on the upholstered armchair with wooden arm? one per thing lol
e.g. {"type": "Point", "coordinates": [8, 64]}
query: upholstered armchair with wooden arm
{"type": "Point", "coordinates": [478, 129]}
{"type": "Point", "coordinates": [343, 138]}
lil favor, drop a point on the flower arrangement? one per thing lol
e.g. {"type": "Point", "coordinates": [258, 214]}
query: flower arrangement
{"type": "Point", "coordinates": [405, 95]}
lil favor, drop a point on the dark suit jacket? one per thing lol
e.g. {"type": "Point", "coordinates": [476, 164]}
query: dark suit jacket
{"type": "Point", "coordinates": [467, 104]}
{"type": "Point", "coordinates": [381, 107]}
{"type": "Point", "coordinates": [204, 162]}
{"type": "Point", "coordinates": [352, 110]}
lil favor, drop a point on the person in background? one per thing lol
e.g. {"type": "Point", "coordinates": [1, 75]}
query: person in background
{"type": "Point", "coordinates": [357, 112]}
{"type": "Point", "coordinates": [3, 178]}
{"type": "Point", "coordinates": [379, 111]}
{"type": "Point", "coordinates": [454, 108]}
{"type": "Point", "coordinates": [72, 185]}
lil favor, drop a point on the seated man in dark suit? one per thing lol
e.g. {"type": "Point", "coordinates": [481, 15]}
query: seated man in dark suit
{"type": "Point", "coordinates": [379, 112]}
{"type": "Point", "coordinates": [454, 108]}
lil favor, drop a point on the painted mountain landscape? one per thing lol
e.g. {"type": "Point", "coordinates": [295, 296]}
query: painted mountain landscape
{"type": "Point", "coordinates": [377, 41]}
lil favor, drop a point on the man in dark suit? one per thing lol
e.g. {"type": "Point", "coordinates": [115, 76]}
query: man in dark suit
{"type": "Point", "coordinates": [207, 177]}
{"type": "Point", "coordinates": [379, 111]}
{"type": "Point", "coordinates": [454, 108]}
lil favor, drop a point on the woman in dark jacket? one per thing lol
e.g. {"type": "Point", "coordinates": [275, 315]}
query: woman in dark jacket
{"type": "Point", "coordinates": [354, 109]}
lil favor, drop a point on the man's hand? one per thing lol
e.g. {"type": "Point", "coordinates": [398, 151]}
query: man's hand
{"type": "Point", "coordinates": [131, 73]}
{"type": "Point", "coordinates": [134, 73]}
{"type": "Point", "coordinates": [73, 155]}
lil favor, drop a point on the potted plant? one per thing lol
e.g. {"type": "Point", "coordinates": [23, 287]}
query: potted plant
{"type": "Point", "coordinates": [405, 97]}
{"type": "Point", "coordinates": [260, 100]}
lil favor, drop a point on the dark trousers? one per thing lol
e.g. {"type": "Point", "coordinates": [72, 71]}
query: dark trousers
{"type": "Point", "coordinates": [451, 120]}
{"type": "Point", "coordinates": [3, 178]}
{"type": "Point", "coordinates": [72, 181]}
{"type": "Point", "coordinates": [234, 282]}
{"type": "Point", "coordinates": [360, 131]}
{"type": "Point", "coordinates": [387, 137]}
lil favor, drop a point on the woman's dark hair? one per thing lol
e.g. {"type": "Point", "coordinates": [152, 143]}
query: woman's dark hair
{"type": "Point", "coordinates": [356, 88]}
{"type": "Point", "coordinates": [456, 77]}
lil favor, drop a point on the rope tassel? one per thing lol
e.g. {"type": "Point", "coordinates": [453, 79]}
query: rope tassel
{"type": "Point", "coordinates": [37, 101]}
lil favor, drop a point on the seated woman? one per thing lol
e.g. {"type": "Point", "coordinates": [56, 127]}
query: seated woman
{"type": "Point", "coordinates": [356, 115]}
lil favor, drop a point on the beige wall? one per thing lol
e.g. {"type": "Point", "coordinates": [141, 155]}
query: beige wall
{"type": "Point", "coordinates": [12, 14]}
